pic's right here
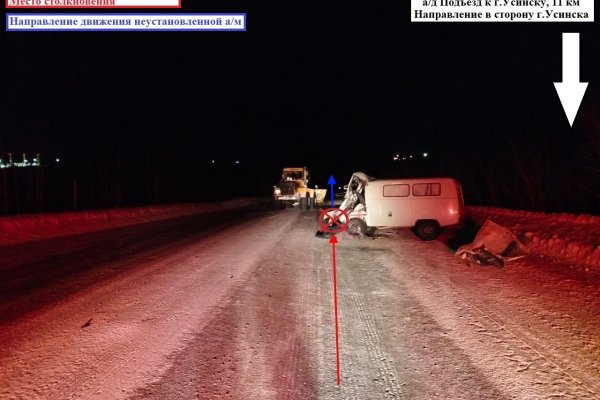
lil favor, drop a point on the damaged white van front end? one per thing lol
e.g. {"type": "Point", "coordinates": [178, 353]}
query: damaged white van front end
{"type": "Point", "coordinates": [424, 204]}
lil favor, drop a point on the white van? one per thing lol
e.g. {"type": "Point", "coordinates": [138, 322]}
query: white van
{"type": "Point", "coordinates": [424, 204]}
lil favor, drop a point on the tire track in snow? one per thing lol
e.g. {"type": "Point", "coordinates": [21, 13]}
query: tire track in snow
{"type": "Point", "coordinates": [127, 346]}
{"type": "Point", "coordinates": [367, 369]}
{"type": "Point", "coordinates": [380, 359]}
{"type": "Point", "coordinates": [303, 283]}
{"type": "Point", "coordinates": [537, 357]}
{"type": "Point", "coordinates": [526, 367]}
{"type": "Point", "coordinates": [325, 338]}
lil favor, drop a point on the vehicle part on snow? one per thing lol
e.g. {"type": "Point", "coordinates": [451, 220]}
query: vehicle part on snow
{"type": "Point", "coordinates": [493, 245]}
{"type": "Point", "coordinates": [483, 257]}
{"type": "Point", "coordinates": [357, 226]}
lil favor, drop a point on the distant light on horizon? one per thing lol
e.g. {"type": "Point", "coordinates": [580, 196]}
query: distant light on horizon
{"type": "Point", "coordinates": [425, 155]}
{"type": "Point", "coordinates": [35, 162]}
{"type": "Point", "coordinates": [400, 157]}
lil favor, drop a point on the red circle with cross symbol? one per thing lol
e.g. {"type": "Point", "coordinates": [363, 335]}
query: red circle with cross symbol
{"type": "Point", "coordinates": [329, 220]}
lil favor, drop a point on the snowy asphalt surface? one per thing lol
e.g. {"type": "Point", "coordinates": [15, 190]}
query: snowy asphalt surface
{"type": "Point", "coordinates": [240, 306]}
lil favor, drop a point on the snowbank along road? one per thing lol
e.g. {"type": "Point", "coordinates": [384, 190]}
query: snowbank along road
{"type": "Point", "coordinates": [239, 305]}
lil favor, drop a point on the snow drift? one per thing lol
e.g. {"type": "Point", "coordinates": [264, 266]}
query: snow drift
{"type": "Point", "coordinates": [568, 238]}
{"type": "Point", "coordinates": [27, 228]}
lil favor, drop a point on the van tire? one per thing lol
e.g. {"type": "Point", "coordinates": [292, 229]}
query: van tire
{"type": "Point", "coordinates": [427, 229]}
{"type": "Point", "coordinates": [357, 226]}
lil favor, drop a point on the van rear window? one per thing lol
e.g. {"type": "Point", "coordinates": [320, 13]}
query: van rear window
{"type": "Point", "coordinates": [396, 190]}
{"type": "Point", "coordinates": [427, 189]}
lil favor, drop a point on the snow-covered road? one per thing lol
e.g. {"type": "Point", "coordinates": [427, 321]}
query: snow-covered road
{"type": "Point", "coordinates": [247, 313]}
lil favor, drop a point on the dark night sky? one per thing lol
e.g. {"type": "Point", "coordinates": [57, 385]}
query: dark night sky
{"type": "Point", "coordinates": [332, 87]}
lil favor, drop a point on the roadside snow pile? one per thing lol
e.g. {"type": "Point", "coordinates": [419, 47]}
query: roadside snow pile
{"type": "Point", "coordinates": [568, 238]}
{"type": "Point", "coordinates": [26, 228]}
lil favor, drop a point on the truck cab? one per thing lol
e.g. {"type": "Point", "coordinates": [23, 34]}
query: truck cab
{"type": "Point", "coordinates": [294, 185]}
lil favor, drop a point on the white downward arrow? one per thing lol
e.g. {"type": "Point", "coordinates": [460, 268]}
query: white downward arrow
{"type": "Point", "coordinates": [570, 90]}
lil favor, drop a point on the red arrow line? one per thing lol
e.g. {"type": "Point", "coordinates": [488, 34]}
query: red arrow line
{"type": "Point", "coordinates": [333, 242]}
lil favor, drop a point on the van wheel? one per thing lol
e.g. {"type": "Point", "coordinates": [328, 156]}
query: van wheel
{"type": "Point", "coordinates": [427, 229]}
{"type": "Point", "coordinates": [357, 226]}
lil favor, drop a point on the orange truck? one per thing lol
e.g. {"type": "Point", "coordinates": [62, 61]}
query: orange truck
{"type": "Point", "coordinates": [293, 187]}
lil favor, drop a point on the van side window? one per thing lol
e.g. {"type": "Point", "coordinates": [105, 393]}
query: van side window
{"type": "Point", "coordinates": [427, 189]}
{"type": "Point", "coordinates": [396, 190]}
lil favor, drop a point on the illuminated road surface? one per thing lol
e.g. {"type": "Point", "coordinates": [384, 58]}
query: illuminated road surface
{"type": "Point", "coordinates": [243, 309]}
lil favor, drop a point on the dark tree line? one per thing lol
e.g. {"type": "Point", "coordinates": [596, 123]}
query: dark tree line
{"type": "Point", "coordinates": [534, 171]}
{"type": "Point", "coordinates": [540, 172]}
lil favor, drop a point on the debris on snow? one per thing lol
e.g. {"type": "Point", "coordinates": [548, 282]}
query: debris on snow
{"type": "Point", "coordinates": [493, 245]}
{"type": "Point", "coordinates": [570, 238]}
{"type": "Point", "coordinates": [88, 323]}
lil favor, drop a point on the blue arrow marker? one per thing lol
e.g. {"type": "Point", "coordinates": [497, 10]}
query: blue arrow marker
{"type": "Point", "coordinates": [331, 182]}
